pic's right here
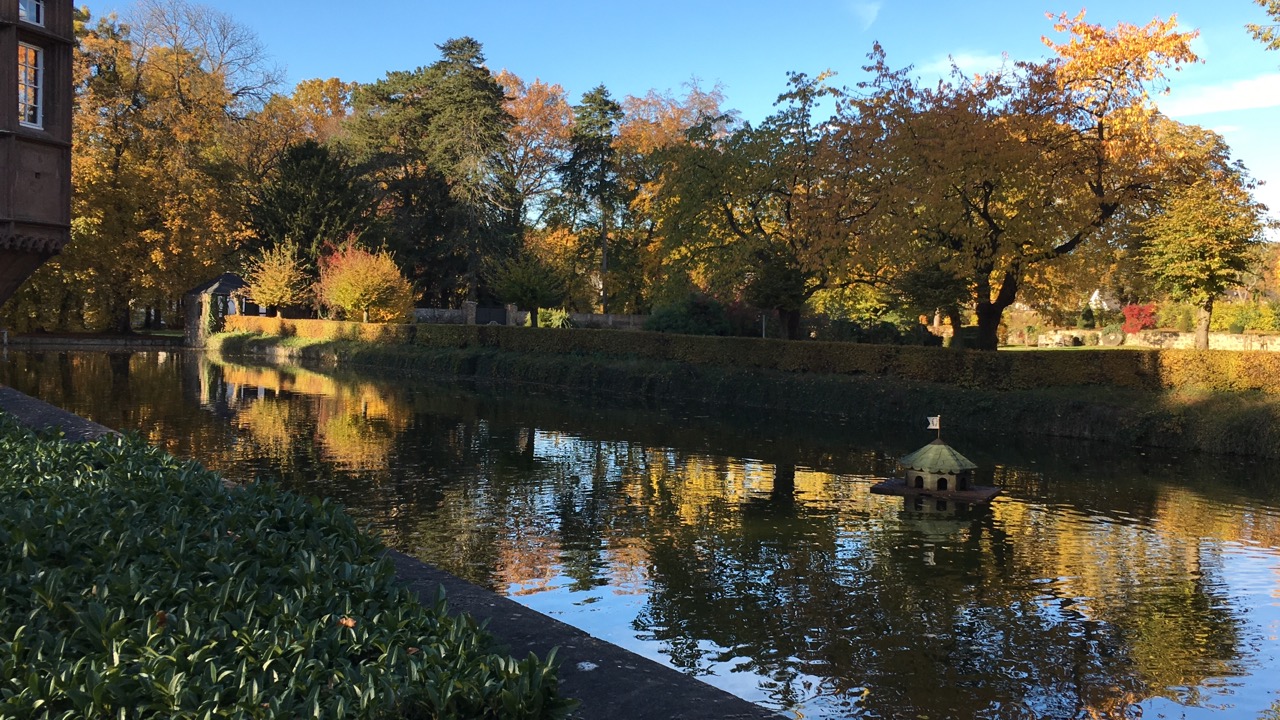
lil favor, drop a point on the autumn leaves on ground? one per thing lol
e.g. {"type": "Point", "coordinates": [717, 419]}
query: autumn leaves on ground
{"type": "Point", "coordinates": [878, 201]}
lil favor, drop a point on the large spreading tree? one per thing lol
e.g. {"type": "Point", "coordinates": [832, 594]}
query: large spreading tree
{"type": "Point", "coordinates": [1022, 166]}
{"type": "Point", "coordinates": [783, 209]}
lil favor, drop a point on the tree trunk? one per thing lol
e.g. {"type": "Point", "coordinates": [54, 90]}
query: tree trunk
{"type": "Point", "coordinates": [533, 316]}
{"type": "Point", "coordinates": [604, 266]}
{"type": "Point", "coordinates": [953, 314]}
{"type": "Point", "coordinates": [123, 323]}
{"type": "Point", "coordinates": [790, 320]}
{"type": "Point", "coordinates": [1203, 314]}
{"type": "Point", "coordinates": [989, 315]}
{"type": "Point", "coordinates": [990, 312]}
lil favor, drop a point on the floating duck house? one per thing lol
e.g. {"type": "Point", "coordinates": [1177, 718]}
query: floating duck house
{"type": "Point", "coordinates": [937, 470]}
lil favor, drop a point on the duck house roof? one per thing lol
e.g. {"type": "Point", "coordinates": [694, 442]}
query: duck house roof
{"type": "Point", "coordinates": [937, 457]}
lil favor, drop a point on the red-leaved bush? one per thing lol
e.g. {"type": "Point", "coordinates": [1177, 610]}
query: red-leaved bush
{"type": "Point", "coordinates": [1139, 317]}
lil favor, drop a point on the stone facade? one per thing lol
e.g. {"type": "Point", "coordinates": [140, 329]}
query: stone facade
{"type": "Point", "coordinates": [35, 150]}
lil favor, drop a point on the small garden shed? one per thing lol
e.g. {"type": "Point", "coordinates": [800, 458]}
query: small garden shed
{"type": "Point", "coordinates": [208, 303]}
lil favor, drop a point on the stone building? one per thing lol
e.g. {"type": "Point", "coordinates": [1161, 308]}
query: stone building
{"type": "Point", "coordinates": [208, 303]}
{"type": "Point", "coordinates": [36, 40]}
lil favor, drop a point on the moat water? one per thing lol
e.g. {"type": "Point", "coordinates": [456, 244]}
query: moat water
{"type": "Point", "coordinates": [747, 549]}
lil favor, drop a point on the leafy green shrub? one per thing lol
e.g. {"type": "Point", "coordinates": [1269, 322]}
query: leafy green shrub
{"type": "Point", "coordinates": [1239, 317]}
{"type": "Point", "coordinates": [554, 318]}
{"type": "Point", "coordinates": [1186, 320]}
{"type": "Point", "coordinates": [137, 585]}
{"type": "Point", "coordinates": [1175, 316]}
{"type": "Point", "coordinates": [696, 314]}
{"type": "Point", "coordinates": [1086, 321]}
{"type": "Point", "coordinates": [530, 283]}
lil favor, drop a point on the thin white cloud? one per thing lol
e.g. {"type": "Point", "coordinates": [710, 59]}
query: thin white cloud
{"type": "Point", "coordinates": [1253, 93]}
{"type": "Point", "coordinates": [1199, 46]}
{"type": "Point", "coordinates": [969, 63]}
{"type": "Point", "coordinates": [866, 12]}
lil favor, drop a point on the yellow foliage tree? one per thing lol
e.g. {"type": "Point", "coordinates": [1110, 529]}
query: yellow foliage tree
{"type": "Point", "coordinates": [996, 174]}
{"type": "Point", "coordinates": [1268, 33]}
{"type": "Point", "coordinates": [355, 282]}
{"type": "Point", "coordinates": [275, 277]}
{"type": "Point", "coordinates": [158, 177]}
{"type": "Point", "coordinates": [1206, 231]}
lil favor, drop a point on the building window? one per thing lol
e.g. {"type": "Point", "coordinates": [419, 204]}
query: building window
{"type": "Point", "coordinates": [31, 11]}
{"type": "Point", "coordinates": [30, 81]}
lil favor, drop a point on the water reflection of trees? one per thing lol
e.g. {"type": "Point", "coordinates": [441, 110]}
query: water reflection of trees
{"type": "Point", "coordinates": [1090, 588]}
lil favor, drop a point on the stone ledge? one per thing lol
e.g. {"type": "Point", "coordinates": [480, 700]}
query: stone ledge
{"type": "Point", "coordinates": [39, 415]}
{"type": "Point", "coordinates": [61, 342]}
{"type": "Point", "coordinates": [620, 685]}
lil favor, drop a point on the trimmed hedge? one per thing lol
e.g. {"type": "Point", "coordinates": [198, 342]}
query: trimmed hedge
{"type": "Point", "coordinates": [1145, 369]}
{"type": "Point", "coordinates": [138, 585]}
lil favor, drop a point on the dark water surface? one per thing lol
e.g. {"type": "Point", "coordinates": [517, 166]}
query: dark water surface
{"type": "Point", "coordinates": [747, 550]}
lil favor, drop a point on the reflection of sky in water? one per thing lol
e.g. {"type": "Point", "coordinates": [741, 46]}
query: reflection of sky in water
{"type": "Point", "coordinates": [1243, 578]}
{"type": "Point", "coordinates": [1100, 582]}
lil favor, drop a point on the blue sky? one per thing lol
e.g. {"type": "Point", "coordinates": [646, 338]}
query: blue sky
{"type": "Point", "coordinates": [749, 45]}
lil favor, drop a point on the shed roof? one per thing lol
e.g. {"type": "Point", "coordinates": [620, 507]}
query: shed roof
{"type": "Point", "coordinates": [937, 457]}
{"type": "Point", "coordinates": [224, 284]}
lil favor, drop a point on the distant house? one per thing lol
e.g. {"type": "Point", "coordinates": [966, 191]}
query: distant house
{"type": "Point", "coordinates": [36, 40]}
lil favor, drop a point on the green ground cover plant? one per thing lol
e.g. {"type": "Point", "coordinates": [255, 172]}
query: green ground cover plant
{"type": "Point", "coordinates": [137, 585]}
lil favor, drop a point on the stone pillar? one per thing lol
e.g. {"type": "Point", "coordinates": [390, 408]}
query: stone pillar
{"type": "Point", "coordinates": [469, 312]}
{"type": "Point", "coordinates": [513, 314]}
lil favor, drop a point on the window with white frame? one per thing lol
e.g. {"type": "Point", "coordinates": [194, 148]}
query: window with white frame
{"type": "Point", "coordinates": [30, 85]}
{"type": "Point", "coordinates": [31, 11]}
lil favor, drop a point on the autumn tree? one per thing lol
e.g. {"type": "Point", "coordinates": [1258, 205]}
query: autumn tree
{"type": "Point", "coordinates": [357, 282]}
{"type": "Point", "coordinates": [275, 277]}
{"type": "Point", "coordinates": [315, 111]}
{"type": "Point", "coordinates": [1268, 34]}
{"type": "Point", "coordinates": [537, 144]}
{"type": "Point", "coordinates": [653, 125]}
{"type": "Point", "coordinates": [784, 207]}
{"type": "Point", "coordinates": [530, 283]}
{"type": "Point", "coordinates": [322, 105]}
{"type": "Point", "coordinates": [1024, 165]}
{"type": "Point", "coordinates": [158, 191]}
{"type": "Point", "coordinates": [1205, 232]}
